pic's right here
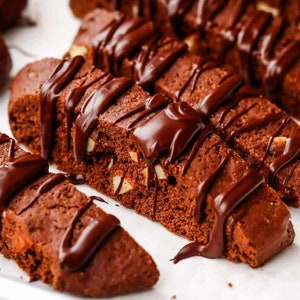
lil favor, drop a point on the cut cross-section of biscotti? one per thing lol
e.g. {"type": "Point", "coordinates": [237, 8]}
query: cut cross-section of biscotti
{"type": "Point", "coordinates": [258, 130]}
{"type": "Point", "coordinates": [150, 154]}
{"type": "Point", "coordinates": [57, 234]}
{"type": "Point", "coordinates": [261, 45]}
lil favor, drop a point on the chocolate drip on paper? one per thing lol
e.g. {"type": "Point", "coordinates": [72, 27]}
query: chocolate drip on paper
{"type": "Point", "coordinates": [74, 257]}
{"type": "Point", "coordinates": [62, 76]}
{"type": "Point", "coordinates": [95, 105]}
{"type": "Point", "coordinates": [223, 205]}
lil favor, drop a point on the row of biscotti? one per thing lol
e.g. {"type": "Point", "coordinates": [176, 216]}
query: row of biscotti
{"type": "Point", "coordinates": [263, 47]}
{"type": "Point", "coordinates": [10, 10]}
{"type": "Point", "coordinates": [151, 154]}
{"type": "Point", "coordinates": [56, 234]}
{"type": "Point", "coordinates": [258, 130]}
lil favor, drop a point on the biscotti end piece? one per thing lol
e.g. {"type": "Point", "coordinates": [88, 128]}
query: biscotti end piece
{"type": "Point", "coordinates": [57, 234]}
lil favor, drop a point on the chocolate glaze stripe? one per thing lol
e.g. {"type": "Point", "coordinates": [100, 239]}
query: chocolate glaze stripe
{"type": "Point", "coordinates": [236, 116]}
{"type": "Point", "coordinates": [248, 39]}
{"type": "Point", "coordinates": [290, 152]}
{"type": "Point", "coordinates": [258, 123]}
{"type": "Point", "coordinates": [150, 64]}
{"type": "Point", "coordinates": [196, 71]}
{"type": "Point", "coordinates": [226, 87]}
{"type": "Point", "coordinates": [246, 91]}
{"type": "Point", "coordinates": [50, 90]}
{"type": "Point", "coordinates": [119, 40]}
{"type": "Point", "coordinates": [96, 104]}
{"type": "Point", "coordinates": [17, 173]}
{"type": "Point", "coordinates": [72, 99]}
{"type": "Point", "coordinates": [197, 144]}
{"type": "Point", "coordinates": [151, 104]}
{"type": "Point", "coordinates": [204, 188]}
{"type": "Point", "coordinates": [278, 66]}
{"type": "Point", "coordinates": [224, 204]}
{"type": "Point", "coordinates": [52, 181]}
{"type": "Point", "coordinates": [184, 124]}
{"type": "Point", "coordinates": [74, 257]}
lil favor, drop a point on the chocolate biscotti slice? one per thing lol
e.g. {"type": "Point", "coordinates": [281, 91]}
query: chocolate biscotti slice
{"type": "Point", "coordinates": [151, 154]}
{"type": "Point", "coordinates": [57, 234]}
{"type": "Point", "coordinates": [258, 130]}
{"type": "Point", "coordinates": [263, 47]}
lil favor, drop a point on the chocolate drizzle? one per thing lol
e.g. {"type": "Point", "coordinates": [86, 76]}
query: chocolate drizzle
{"type": "Point", "coordinates": [248, 39]}
{"type": "Point", "coordinates": [290, 152]}
{"type": "Point", "coordinates": [52, 181]}
{"type": "Point", "coordinates": [223, 205]}
{"type": "Point", "coordinates": [278, 66]}
{"type": "Point", "coordinates": [151, 104]}
{"type": "Point", "coordinates": [203, 189]}
{"type": "Point", "coordinates": [74, 257]}
{"type": "Point", "coordinates": [119, 40]}
{"type": "Point", "coordinates": [50, 90]}
{"type": "Point", "coordinates": [17, 173]}
{"type": "Point", "coordinates": [220, 94]}
{"type": "Point", "coordinates": [152, 62]}
{"type": "Point", "coordinates": [96, 104]}
{"type": "Point", "coordinates": [196, 71]}
{"type": "Point", "coordinates": [183, 125]}
{"type": "Point", "coordinates": [171, 131]}
{"type": "Point", "coordinates": [257, 123]}
{"type": "Point", "coordinates": [72, 99]}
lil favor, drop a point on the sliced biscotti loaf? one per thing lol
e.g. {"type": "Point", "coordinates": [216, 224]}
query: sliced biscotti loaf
{"type": "Point", "coordinates": [263, 47]}
{"type": "Point", "coordinates": [258, 130]}
{"type": "Point", "coordinates": [57, 234]}
{"type": "Point", "coordinates": [150, 154]}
